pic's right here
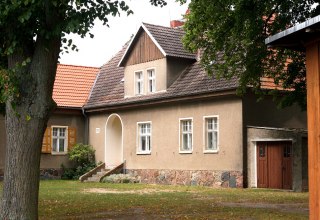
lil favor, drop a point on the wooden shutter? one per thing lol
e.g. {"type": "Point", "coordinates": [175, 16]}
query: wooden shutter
{"type": "Point", "coordinates": [71, 137]}
{"type": "Point", "coordinates": [46, 142]}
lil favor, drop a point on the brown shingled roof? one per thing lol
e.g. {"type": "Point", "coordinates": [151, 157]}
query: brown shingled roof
{"type": "Point", "coordinates": [170, 40]}
{"type": "Point", "coordinates": [73, 84]}
{"type": "Point", "coordinates": [109, 89]}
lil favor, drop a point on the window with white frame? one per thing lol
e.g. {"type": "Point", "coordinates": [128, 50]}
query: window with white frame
{"type": "Point", "coordinates": [185, 135]}
{"type": "Point", "coordinates": [144, 137]}
{"type": "Point", "coordinates": [139, 82]}
{"type": "Point", "coordinates": [151, 80]}
{"type": "Point", "coordinates": [59, 139]}
{"type": "Point", "coordinates": [211, 134]}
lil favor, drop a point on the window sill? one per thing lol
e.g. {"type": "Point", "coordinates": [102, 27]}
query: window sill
{"type": "Point", "coordinates": [59, 154]}
{"type": "Point", "coordinates": [144, 153]}
{"type": "Point", "coordinates": [211, 151]}
{"type": "Point", "coordinates": [185, 152]}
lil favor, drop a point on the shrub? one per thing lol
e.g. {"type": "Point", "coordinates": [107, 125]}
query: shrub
{"type": "Point", "coordinates": [84, 160]}
{"type": "Point", "coordinates": [121, 178]}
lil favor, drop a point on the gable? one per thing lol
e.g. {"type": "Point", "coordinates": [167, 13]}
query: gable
{"type": "Point", "coordinates": [143, 50]}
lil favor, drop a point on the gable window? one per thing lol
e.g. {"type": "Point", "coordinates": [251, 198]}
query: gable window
{"type": "Point", "coordinates": [185, 135]}
{"type": "Point", "coordinates": [211, 134]}
{"type": "Point", "coordinates": [151, 80]}
{"type": "Point", "coordinates": [59, 140]}
{"type": "Point", "coordinates": [144, 138]}
{"type": "Point", "coordinates": [139, 82]}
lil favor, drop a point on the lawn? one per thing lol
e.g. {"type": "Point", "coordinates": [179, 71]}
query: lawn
{"type": "Point", "coordinates": [74, 200]}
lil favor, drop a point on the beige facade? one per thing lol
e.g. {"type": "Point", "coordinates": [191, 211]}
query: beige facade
{"type": "Point", "coordinates": [160, 68]}
{"type": "Point", "coordinates": [165, 136]}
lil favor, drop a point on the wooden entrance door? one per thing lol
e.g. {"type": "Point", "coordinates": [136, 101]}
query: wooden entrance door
{"type": "Point", "coordinates": [274, 165]}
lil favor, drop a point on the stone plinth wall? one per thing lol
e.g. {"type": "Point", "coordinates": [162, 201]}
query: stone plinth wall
{"type": "Point", "coordinates": [190, 177]}
{"type": "Point", "coordinates": [50, 173]}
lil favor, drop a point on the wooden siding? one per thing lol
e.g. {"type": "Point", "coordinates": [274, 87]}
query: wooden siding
{"type": "Point", "coordinates": [313, 105]}
{"type": "Point", "coordinates": [143, 50]}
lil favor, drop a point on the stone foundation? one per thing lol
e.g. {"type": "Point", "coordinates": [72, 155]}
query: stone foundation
{"type": "Point", "coordinates": [210, 178]}
{"type": "Point", "coordinates": [52, 173]}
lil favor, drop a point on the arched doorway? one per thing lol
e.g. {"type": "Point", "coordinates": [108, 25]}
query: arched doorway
{"type": "Point", "coordinates": [114, 141]}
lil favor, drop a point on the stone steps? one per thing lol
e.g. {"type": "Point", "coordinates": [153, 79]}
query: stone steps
{"type": "Point", "coordinates": [97, 176]}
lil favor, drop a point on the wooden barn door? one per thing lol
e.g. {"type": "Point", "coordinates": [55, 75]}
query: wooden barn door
{"type": "Point", "coordinates": [274, 165]}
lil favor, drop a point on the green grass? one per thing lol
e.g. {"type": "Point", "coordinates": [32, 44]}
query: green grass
{"type": "Point", "coordinates": [74, 200]}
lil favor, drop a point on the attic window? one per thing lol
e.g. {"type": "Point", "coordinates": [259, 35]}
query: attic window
{"type": "Point", "coordinates": [151, 80]}
{"type": "Point", "coordinates": [139, 82]}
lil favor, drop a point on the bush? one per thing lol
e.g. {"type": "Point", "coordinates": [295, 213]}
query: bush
{"type": "Point", "coordinates": [84, 160]}
{"type": "Point", "coordinates": [121, 178]}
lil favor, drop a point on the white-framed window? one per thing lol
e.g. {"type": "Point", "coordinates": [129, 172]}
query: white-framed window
{"type": "Point", "coordinates": [186, 140]}
{"type": "Point", "coordinates": [144, 138]}
{"type": "Point", "coordinates": [151, 80]}
{"type": "Point", "coordinates": [139, 82]}
{"type": "Point", "coordinates": [211, 134]}
{"type": "Point", "coordinates": [59, 139]}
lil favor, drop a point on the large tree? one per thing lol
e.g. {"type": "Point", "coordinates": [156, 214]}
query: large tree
{"type": "Point", "coordinates": [231, 35]}
{"type": "Point", "coordinates": [33, 33]}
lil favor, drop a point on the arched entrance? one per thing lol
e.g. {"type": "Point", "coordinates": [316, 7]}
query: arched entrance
{"type": "Point", "coordinates": [114, 141]}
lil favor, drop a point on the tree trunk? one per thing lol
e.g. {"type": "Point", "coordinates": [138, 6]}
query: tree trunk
{"type": "Point", "coordinates": [26, 120]}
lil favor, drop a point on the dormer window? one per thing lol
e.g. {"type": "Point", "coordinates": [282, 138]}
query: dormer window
{"type": "Point", "coordinates": [151, 80]}
{"type": "Point", "coordinates": [139, 82]}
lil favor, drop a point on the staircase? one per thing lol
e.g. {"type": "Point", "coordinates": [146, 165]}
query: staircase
{"type": "Point", "coordinates": [97, 174]}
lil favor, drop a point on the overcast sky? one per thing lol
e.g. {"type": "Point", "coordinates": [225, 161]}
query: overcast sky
{"type": "Point", "coordinates": [108, 41]}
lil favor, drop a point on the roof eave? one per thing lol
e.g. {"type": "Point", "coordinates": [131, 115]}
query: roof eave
{"type": "Point", "coordinates": [288, 38]}
{"type": "Point", "coordinates": [161, 100]}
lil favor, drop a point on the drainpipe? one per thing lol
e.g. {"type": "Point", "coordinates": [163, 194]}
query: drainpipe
{"type": "Point", "coordinates": [86, 126]}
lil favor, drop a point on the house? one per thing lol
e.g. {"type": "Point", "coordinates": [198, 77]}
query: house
{"type": "Point", "coordinates": [68, 124]}
{"type": "Point", "coordinates": [155, 108]}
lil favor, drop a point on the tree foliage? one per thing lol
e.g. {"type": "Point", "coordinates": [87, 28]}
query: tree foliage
{"type": "Point", "coordinates": [231, 35]}
{"type": "Point", "coordinates": [24, 24]}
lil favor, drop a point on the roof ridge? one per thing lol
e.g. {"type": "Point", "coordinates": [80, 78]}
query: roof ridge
{"type": "Point", "coordinates": [82, 66]}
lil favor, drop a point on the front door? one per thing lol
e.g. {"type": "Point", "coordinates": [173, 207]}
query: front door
{"type": "Point", "coordinates": [274, 164]}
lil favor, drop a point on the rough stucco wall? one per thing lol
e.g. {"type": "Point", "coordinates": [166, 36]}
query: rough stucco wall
{"type": "Point", "coordinates": [266, 114]}
{"type": "Point", "coordinates": [76, 121]}
{"type": "Point", "coordinates": [160, 70]}
{"type": "Point", "coordinates": [165, 136]}
{"type": "Point", "coordinates": [97, 125]}
{"type": "Point", "coordinates": [298, 167]}
{"type": "Point", "coordinates": [2, 143]}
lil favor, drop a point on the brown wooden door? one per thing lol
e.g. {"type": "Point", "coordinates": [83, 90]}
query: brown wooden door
{"type": "Point", "coordinates": [274, 165]}
{"type": "Point", "coordinates": [262, 165]}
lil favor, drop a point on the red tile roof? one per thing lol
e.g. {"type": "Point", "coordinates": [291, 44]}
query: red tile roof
{"type": "Point", "coordinates": [73, 85]}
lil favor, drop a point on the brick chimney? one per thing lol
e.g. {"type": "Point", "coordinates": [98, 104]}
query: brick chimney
{"type": "Point", "coordinates": [176, 23]}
